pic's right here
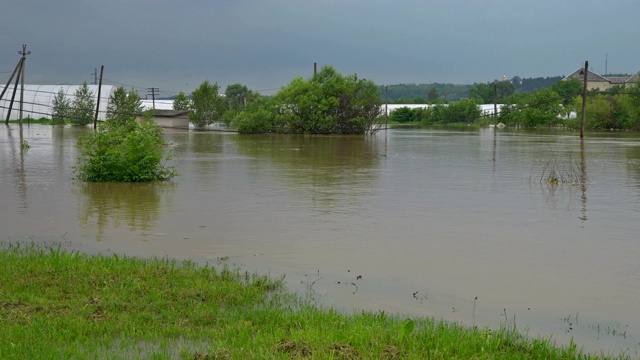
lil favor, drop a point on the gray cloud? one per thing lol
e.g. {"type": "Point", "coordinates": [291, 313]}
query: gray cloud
{"type": "Point", "coordinates": [175, 45]}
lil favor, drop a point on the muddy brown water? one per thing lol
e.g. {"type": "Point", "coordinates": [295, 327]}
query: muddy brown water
{"type": "Point", "coordinates": [453, 224]}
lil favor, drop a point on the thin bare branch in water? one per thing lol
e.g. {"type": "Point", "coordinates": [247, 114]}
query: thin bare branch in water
{"type": "Point", "coordinates": [556, 172]}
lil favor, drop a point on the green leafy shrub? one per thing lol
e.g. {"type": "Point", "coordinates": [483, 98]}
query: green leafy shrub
{"type": "Point", "coordinates": [402, 115]}
{"type": "Point", "coordinates": [327, 103]}
{"type": "Point", "coordinates": [131, 152]}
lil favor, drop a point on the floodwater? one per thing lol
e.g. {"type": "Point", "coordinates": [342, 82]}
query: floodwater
{"type": "Point", "coordinates": [454, 224]}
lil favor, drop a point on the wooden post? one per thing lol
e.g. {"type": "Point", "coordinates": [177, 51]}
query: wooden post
{"type": "Point", "coordinates": [386, 107]}
{"type": "Point", "coordinates": [24, 54]}
{"type": "Point", "coordinates": [584, 98]}
{"type": "Point", "coordinates": [95, 119]}
{"type": "Point", "coordinates": [13, 95]}
{"type": "Point", "coordinates": [22, 88]}
{"type": "Point", "coordinates": [583, 181]}
{"type": "Point", "coordinates": [9, 83]}
{"type": "Point", "coordinates": [495, 104]}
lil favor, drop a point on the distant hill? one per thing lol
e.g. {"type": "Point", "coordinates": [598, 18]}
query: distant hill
{"type": "Point", "coordinates": [425, 93]}
{"type": "Point", "coordinates": [419, 93]}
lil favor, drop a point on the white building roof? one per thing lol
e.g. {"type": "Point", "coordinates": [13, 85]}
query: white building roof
{"type": "Point", "coordinates": [38, 100]}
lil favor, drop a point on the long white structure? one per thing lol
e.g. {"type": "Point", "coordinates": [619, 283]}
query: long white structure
{"type": "Point", "coordinates": [485, 109]}
{"type": "Point", "coordinates": [160, 104]}
{"type": "Point", "coordinates": [38, 100]}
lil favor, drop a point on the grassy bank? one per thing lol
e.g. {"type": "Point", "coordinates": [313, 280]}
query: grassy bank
{"type": "Point", "coordinates": [58, 304]}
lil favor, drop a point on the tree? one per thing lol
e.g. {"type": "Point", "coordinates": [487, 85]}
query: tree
{"type": "Point", "coordinates": [465, 110]}
{"type": "Point", "coordinates": [568, 90]}
{"type": "Point", "coordinates": [504, 89]}
{"type": "Point", "coordinates": [133, 151]}
{"type": "Point", "coordinates": [123, 106]}
{"type": "Point", "coordinates": [433, 95]}
{"type": "Point", "coordinates": [406, 93]}
{"type": "Point", "coordinates": [82, 107]}
{"type": "Point", "coordinates": [539, 108]}
{"type": "Point", "coordinates": [485, 92]}
{"type": "Point", "coordinates": [600, 112]}
{"type": "Point", "coordinates": [236, 96]}
{"type": "Point", "coordinates": [207, 105]}
{"type": "Point", "coordinates": [326, 103]}
{"type": "Point", "coordinates": [61, 107]}
{"type": "Point", "coordinates": [181, 102]}
{"type": "Point", "coordinates": [257, 117]}
{"type": "Point", "coordinates": [482, 92]}
{"type": "Point", "coordinates": [402, 115]}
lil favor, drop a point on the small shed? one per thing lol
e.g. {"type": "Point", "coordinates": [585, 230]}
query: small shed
{"type": "Point", "coordinates": [175, 119]}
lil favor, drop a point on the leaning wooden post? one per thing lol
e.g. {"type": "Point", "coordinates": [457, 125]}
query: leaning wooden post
{"type": "Point", "coordinates": [584, 98]}
{"type": "Point", "coordinates": [95, 119]}
{"type": "Point", "coordinates": [13, 95]}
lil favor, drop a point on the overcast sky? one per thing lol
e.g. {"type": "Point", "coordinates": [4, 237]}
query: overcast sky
{"type": "Point", "coordinates": [177, 44]}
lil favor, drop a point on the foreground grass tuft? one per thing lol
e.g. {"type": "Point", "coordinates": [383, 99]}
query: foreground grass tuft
{"type": "Point", "coordinates": [59, 304]}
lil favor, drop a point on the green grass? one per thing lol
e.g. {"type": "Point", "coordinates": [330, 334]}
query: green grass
{"type": "Point", "coordinates": [60, 304]}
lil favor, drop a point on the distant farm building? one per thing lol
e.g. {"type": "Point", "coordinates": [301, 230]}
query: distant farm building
{"type": "Point", "coordinates": [38, 100]}
{"type": "Point", "coordinates": [603, 83]}
{"type": "Point", "coordinates": [175, 119]}
{"type": "Point", "coordinates": [159, 104]}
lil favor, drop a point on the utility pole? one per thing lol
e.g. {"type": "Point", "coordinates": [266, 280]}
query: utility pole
{"type": "Point", "coordinates": [315, 69]}
{"type": "Point", "coordinates": [24, 54]}
{"type": "Point", "coordinates": [153, 91]}
{"type": "Point", "coordinates": [584, 99]}
{"type": "Point", "coordinates": [95, 76]}
{"type": "Point", "coordinates": [95, 119]}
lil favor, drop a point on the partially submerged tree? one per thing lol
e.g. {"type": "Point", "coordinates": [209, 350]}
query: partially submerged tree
{"type": "Point", "coordinates": [123, 106]}
{"type": "Point", "coordinates": [327, 103]}
{"type": "Point", "coordinates": [237, 95]}
{"type": "Point", "coordinates": [207, 105]}
{"type": "Point", "coordinates": [82, 107]}
{"type": "Point", "coordinates": [539, 108]}
{"type": "Point", "coordinates": [180, 102]}
{"type": "Point", "coordinates": [61, 107]}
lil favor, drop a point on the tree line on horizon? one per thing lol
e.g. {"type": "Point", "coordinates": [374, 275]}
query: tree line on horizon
{"type": "Point", "coordinates": [330, 102]}
{"type": "Point", "coordinates": [559, 105]}
{"type": "Point", "coordinates": [434, 93]}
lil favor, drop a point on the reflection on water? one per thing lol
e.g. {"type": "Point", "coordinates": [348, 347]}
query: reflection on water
{"type": "Point", "coordinates": [16, 152]}
{"type": "Point", "coordinates": [137, 206]}
{"type": "Point", "coordinates": [330, 170]}
{"type": "Point", "coordinates": [443, 223]}
{"type": "Point", "coordinates": [584, 179]}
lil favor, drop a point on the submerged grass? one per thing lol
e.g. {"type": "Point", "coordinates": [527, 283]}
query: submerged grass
{"type": "Point", "coordinates": [59, 304]}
